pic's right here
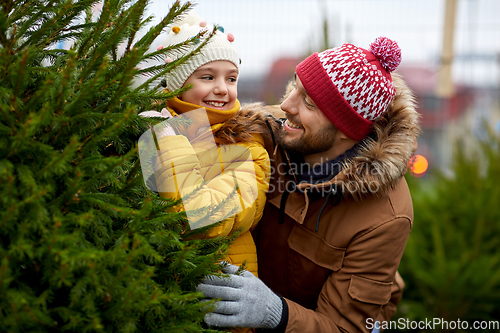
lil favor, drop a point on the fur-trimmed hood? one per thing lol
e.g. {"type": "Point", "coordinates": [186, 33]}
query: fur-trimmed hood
{"type": "Point", "coordinates": [252, 119]}
{"type": "Point", "coordinates": [384, 155]}
{"type": "Point", "coordinates": [382, 161]}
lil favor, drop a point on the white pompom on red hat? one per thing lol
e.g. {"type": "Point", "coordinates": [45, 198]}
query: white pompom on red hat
{"type": "Point", "coordinates": [350, 85]}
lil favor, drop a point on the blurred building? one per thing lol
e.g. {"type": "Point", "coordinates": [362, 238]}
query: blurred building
{"type": "Point", "coordinates": [271, 87]}
{"type": "Point", "coordinates": [438, 114]}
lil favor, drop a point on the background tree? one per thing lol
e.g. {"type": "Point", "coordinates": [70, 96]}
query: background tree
{"type": "Point", "coordinates": [84, 247]}
{"type": "Point", "coordinates": [451, 264]}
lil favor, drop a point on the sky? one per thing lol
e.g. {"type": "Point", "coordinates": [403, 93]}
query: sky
{"type": "Point", "coordinates": [266, 30]}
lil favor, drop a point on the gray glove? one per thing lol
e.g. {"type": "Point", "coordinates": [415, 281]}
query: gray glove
{"type": "Point", "coordinates": [245, 301]}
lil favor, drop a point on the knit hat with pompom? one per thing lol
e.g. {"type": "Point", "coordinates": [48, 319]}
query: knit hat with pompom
{"type": "Point", "coordinates": [350, 85]}
{"type": "Point", "coordinates": [219, 47]}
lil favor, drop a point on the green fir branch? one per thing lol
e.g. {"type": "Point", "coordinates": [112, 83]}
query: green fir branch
{"type": "Point", "coordinates": [85, 246]}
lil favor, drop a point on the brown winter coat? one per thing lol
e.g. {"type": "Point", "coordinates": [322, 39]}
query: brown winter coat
{"type": "Point", "coordinates": [336, 278]}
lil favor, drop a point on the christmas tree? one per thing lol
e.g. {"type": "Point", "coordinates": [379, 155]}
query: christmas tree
{"type": "Point", "coordinates": [85, 246]}
{"type": "Point", "coordinates": [451, 264]}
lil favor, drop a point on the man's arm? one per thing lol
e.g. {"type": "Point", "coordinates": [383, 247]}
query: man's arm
{"type": "Point", "coordinates": [348, 298]}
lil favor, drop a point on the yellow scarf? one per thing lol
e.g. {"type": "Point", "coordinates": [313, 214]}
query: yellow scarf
{"type": "Point", "coordinates": [215, 117]}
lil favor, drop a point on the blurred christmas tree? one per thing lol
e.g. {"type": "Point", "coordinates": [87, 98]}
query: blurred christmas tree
{"type": "Point", "coordinates": [451, 264]}
{"type": "Point", "coordinates": [84, 246]}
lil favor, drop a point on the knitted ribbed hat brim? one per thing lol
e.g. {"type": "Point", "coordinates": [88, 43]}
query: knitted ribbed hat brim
{"type": "Point", "coordinates": [329, 100]}
{"type": "Point", "coordinates": [178, 76]}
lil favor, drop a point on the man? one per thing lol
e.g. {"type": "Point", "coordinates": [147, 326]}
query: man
{"type": "Point", "coordinates": [339, 211]}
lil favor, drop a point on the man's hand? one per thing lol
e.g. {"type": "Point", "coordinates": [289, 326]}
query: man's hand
{"type": "Point", "coordinates": [245, 301]}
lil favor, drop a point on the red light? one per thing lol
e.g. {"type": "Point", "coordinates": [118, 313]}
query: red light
{"type": "Point", "coordinates": [418, 165]}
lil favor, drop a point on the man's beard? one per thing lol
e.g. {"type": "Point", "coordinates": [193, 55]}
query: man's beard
{"type": "Point", "coordinates": [307, 143]}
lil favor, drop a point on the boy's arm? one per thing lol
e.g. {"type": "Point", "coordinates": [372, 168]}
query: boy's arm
{"type": "Point", "coordinates": [227, 180]}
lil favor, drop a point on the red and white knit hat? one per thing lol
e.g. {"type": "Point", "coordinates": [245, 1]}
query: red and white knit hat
{"type": "Point", "coordinates": [350, 85]}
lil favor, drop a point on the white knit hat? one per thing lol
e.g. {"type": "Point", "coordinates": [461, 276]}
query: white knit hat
{"type": "Point", "coordinates": [219, 47]}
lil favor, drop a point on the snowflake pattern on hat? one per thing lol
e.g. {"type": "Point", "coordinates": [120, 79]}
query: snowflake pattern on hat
{"type": "Point", "coordinates": [350, 85]}
{"type": "Point", "coordinates": [361, 83]}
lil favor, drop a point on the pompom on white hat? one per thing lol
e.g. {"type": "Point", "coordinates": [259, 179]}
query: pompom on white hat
{"type": "Point", "coordinates": [219, 47]}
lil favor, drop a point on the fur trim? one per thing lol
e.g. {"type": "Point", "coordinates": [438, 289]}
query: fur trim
{"type": "Point", "coordinates": [249, 121]}
{"type": "Point", "coordinates": [384, 157]}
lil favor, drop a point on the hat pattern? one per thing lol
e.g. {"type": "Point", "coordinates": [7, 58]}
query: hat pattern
{"type": "Point", "coordinates": [350, 85]}
{"type": "Point", "coordinates": [363, 85]}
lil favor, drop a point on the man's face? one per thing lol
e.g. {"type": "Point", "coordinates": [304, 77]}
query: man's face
{"type": "Point", "coordinates": [306, 130]}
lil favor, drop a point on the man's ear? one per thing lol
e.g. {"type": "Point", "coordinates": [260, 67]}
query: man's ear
{"type": "Point", "coordinates": [345, 140]}
{"type": "Point", "coordinates": [342, 136]}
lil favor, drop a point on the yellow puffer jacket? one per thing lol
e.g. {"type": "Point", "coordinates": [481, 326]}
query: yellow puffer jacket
{"type": "Point", "coordinates": [229, 178]}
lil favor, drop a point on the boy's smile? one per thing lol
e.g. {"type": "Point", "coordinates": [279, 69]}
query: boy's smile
{"type": "Point", "coordinates": [214, 86]}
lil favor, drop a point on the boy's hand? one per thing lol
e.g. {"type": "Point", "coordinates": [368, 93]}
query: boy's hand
{"type": "Point", "coordinates": [163, 128]}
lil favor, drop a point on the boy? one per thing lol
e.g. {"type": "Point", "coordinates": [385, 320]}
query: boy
{"type": "Point", "coordinates": [222, 160]}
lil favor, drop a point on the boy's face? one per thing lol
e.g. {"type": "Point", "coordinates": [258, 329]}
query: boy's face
{"type": "Point", "coordinates": [214, 86]}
